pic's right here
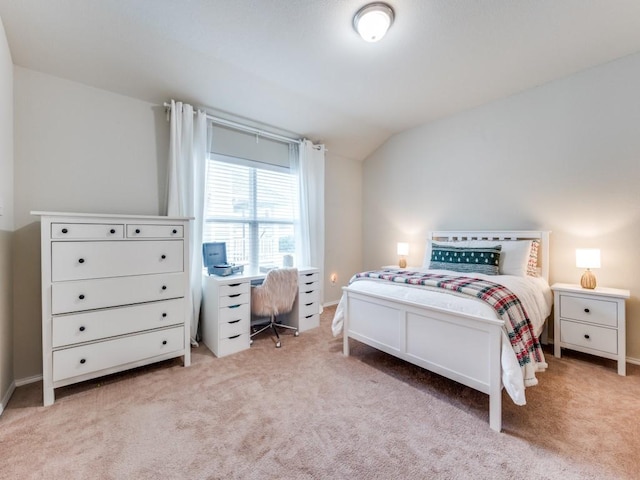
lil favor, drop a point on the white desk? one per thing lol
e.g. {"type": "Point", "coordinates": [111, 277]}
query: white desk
{"type": "Point", "coordinates": [226, 308]}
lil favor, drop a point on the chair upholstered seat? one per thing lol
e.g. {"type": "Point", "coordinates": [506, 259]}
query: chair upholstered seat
{"type": "Point", "coordinates": [274, 297]}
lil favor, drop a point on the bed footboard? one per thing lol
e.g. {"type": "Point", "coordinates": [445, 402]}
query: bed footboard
{"type": "Point", "coordinates": [461, 347]}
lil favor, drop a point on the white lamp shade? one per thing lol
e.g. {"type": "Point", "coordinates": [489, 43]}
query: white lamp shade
{"type": "Point", "coordinates": [403, 248]}
{"type": "Point", "coordinates": [373, 20]}
{"type": "Point", "coordinates": [588, 258]}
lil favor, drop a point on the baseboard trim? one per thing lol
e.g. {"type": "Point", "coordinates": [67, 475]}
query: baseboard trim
{"type": "Point", "coordinates": [635, 361]}
{"type": "Point", "coordinates": [27, 380]}
{"type": "Point", "coordinates": [7, 397]}
{"type": "Point", "coordinates": [331, 304]}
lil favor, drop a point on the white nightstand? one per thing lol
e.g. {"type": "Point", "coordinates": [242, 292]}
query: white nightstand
{"type": "Point", "coordinates": [590, 321]}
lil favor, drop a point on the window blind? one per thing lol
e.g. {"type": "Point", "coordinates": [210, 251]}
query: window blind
{"type": "Point", "coordinates": [252, 209]}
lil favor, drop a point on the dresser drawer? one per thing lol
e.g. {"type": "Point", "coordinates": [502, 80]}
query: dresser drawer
{"type": "Point", "coordinates": [589, 336]}
{"type": "Point", "coordinates": [84, 359]}
{"type": "Point", "coordinates": [232, 300]}
{"type": "Point", "coordinates": [308, 296]}
{"type": "Point", "coordinates": [84, 260]}
{"type": "Point", "coordinates": [233, 312]}
{"type": "Point", "coordinates": [88, 231]}
{"type": "Point", "coordinates": [79, 295]}
{"type": "Point", "coordinates": [155, 231]}
{"type": "Point", "coordinates": [591, 310]}
{"type": "Point", "coordinates": [233, 289]}
{"type": "Point", "coordinates": [233, 344]}
{"type": "Point", "coordinates": [98, 324]}
{"type": "Point", "coordinates": [233, 327]}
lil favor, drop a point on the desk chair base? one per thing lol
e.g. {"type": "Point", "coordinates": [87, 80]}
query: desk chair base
{"type": "Point", "coordinates": [273, 325]}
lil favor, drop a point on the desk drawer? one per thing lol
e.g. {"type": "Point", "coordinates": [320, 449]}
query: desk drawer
{"type": "Point", "coordinates": [234, 289]}
{"type": "Point", "coordinates": [82, 295]}
{"type": "Point", "coordinates": [310, 308]}
{"type": "Point", "coordinates": [308, 296]}
{"type": "Point", "coordinates": [95, 325]}
{"type": "Point", "coordinates": [234, 327]}
{"type": "Point", "coordinates": [83, 260]}
{"type": "Point", "coordinates": [233, 344]}
{"type": "Point", "coordinates": [235, 299]}
{"type": "Point", "coordinates": [590, 310]}
{"type": "Point", "coordinates": [72, 362]}
{"type": "Point", "coordinates": [229, 314]}
{"type": "Point", "coordinates": [307, 322]}
{"type": "Point", "coordinates": [308, 278]}
{"type": "Point", "coordinates": [589, 336]}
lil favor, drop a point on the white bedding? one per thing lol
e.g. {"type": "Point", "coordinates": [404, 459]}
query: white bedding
{"type": "Point", "coordinates": [534, 294]}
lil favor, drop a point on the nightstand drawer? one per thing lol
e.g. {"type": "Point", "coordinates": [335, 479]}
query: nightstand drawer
{"type": "Point", "coordinates": [589, 336]}
{"type": "Point", "coordinates": [590, 310]}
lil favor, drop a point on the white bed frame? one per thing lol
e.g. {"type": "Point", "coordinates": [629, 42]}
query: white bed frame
{"type": "Point", "coordinates": [462, 347]}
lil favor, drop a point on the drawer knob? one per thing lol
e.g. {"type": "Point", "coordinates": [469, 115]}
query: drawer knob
{"type": "Point", "coordinates": [81, 329]}
{"type": "Point", "coordinates": [164, 315]}
{"type": "Point", "coordinates": [81, 296]}
{"type": "Point", "coordinates": [163, 257]}
{"type": "Point", "coordinates": [112, 231]}
{"type": "Point", "coordinates": [164, 287]}
{"type": "Point", "coordinates": [586, 335]}
{"type": "Point", "coordinates": [81, 260]}
{"type": "Point", "coordinates": [83, 360]}
{"type": "Point", "coordinates": [137, 230]}
{"type": "Point", "coordinates": [64, 230]}
{"type": "Point", "coordinates": [586, 310]}
{"type": "Point", "coordinates": [174, 231]}
{"type": "Point", "coordinates": [164, 342]}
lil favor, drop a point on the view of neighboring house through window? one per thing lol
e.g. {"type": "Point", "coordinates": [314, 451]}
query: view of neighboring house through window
{"type": "Point", "coordinates": [251, 206]}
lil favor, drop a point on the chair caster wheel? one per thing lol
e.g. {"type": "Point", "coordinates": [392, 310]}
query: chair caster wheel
{"type": "Point", "coordinates": [278, 345]}
{"type": "Point", "coordinates": [250, 342]}
{"type": "Point", "coordinates": [296, 333]}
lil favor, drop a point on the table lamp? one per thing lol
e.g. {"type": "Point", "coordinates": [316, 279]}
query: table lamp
{"type": "Point", "coordinates": [403, 251]}
{"type": "Point", "coordinates": [588, 258]}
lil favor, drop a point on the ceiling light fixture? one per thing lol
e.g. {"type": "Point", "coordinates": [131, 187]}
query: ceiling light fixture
{"type": "Point", "coordinates": [373, 20]}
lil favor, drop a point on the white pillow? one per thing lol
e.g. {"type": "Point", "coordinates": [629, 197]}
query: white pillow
{"type": "Point", "coordinates": [514, 256]}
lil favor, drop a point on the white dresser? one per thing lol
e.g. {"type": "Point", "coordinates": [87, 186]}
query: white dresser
{"type": "Point", "coordinates": [226, 309]}
{"type": "Point", "coordinates": [115, 294]}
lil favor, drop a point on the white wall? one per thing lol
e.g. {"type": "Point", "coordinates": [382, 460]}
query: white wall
{"type": "Point", "coordinates": [77, 149]}
{"type": "Point", "coordinates": [343, 223]}
{"type": "Point", "coordinates": [564, 157]}
{"type": "Point", "coordinates": [6, 218]}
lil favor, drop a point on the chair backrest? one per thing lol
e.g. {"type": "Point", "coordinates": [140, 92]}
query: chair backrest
{"type": "Point", "coordinates": [277, 292]}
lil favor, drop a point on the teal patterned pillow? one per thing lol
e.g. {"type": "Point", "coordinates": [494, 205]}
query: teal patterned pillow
{"type": "Point", "coordinates": [466, 259]}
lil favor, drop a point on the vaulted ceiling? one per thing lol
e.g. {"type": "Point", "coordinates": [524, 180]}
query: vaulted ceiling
{"type": "Point", "coordinates": [298, 65]}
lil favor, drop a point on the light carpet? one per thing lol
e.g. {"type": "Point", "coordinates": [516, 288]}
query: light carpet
{"type": "Point", "coordinates": [307, 412]}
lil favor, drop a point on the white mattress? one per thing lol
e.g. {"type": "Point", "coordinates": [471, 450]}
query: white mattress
{"type": "Point", "coordinates": [534, 294]}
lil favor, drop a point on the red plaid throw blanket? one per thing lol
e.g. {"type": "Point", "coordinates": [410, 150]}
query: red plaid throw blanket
{"type": "Point", "coordinates": [506, 304]}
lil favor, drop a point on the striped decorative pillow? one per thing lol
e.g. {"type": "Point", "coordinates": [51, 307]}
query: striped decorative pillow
{"type": "Point", "coordinates": [484, 260]}
{"type": "Point", "coordinates": [532, 264]}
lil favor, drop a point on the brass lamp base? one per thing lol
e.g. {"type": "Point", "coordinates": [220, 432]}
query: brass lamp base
{"type": "Point", "coordinates": [588, 280]}
{"type": "Point", "coordinates": [402, 263]}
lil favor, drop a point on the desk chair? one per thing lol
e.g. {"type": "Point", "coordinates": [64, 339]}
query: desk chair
{"type": "Point", "coordinates": [274, 297]}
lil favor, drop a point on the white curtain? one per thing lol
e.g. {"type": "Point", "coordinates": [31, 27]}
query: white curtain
{"type": "Point", "coordinates": [307, 160]}
{"type": "Point", "coordinates": [187, 170]}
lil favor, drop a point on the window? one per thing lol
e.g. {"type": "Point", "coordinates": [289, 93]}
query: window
{"type": "Point", "coordinates": [250, 206]}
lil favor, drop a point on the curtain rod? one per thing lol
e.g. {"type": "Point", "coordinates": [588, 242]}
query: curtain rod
{"type": "Point", "coordinates": [246, 128]}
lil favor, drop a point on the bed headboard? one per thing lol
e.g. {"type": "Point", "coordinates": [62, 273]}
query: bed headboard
{"type": "Point", "coordinates": [542, 235]}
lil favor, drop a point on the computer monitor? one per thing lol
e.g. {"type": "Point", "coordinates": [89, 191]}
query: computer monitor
{"type": "Point", "coordinates": [214, 253]}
